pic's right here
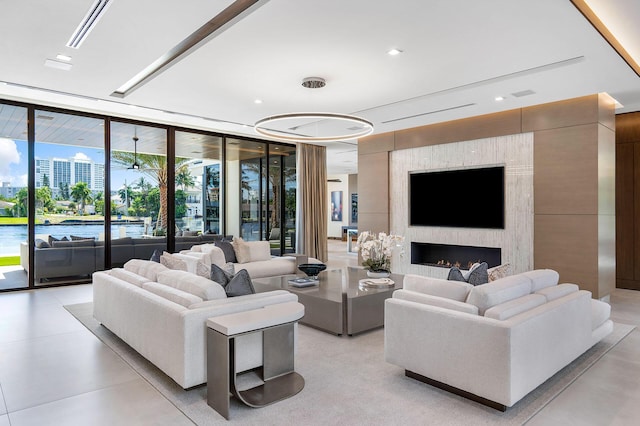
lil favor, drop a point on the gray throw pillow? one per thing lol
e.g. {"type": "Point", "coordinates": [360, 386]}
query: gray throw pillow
{"type": "Point", "coordinates": [234, 285]}
{"type": "Point", "coordinates": [227, 249]}
{"type": "Point", "coordinates": [42, 243]}
{"type": "Point", "coordinates": [155, 257]}
{"type": "Point", "coordinates": [455, 274]}
{"type": "Point", "coordinates": [479, 275]}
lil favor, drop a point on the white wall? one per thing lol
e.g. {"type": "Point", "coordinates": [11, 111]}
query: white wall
{"type": "Point", "coordinates": [515, 152]}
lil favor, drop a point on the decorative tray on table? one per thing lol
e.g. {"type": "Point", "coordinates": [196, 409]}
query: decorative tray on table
{"type": "Point", "coordinates": [376, 283]}
{"type": "Point", "coordinates": [302, 282]}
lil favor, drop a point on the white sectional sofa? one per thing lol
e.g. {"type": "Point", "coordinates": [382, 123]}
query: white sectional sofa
{"type": "Point", "coordinates": [254, 256]}
{"type": "Point", "coordinates": [161, 313]}
{"type": "Point", "coordinates": [493, 343]}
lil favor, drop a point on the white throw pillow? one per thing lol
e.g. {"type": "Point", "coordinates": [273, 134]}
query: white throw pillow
{"type": "Point", "coordinates": [173, 294]}
{"type": "Point", "coordinates": [172, 262]}
{"type": "Point", "coordinates": [216, 255]}
{"type": "Point", "coordinates": [251, 251]}
{"type": "Point", "coordinates": [198, 286]}
{"type": "Point", "coordinates": [499, 271]}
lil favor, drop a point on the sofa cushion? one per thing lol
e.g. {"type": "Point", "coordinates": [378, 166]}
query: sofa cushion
{"type": "Point", "coordinates": [499, 291]}
{"type": "Point", "coordinates": [499, 271]}
{"type": "Point", "coordinates": [238, 284]}
{"type": "Point", "coordinates": [77, 243]}
{"type": "Point", "coordinates": [155, 256]}
{"type": "Point", "coordinates": [178, 296]}
{"type": "Point", "coordinates": [227, 249]}
{"type": "Point", "coordinates": [269, 268]}
{"type": "Point", "coordinates": [455, 275]}
{"type": "Point", "coordinates": [42, 243]}
{"type": "Point", "coordinates": [514, 307]}
{"type": "Point", "coordinates": [195, 265]}
{"type": "Point", "coordinates": [441, 302]}
{"type": "Point", "coordinates": [146, 268]}
{"type": "Point", "coordinates": [478, 274]}
{"type": "Point", "coordinates": [454, 290]}
{"type": "Point", "coordinates": [600, 312]}
{"type": "Point", "coordinates": [251, 251]}
{"type": "Point", "coordinates": [173, 262]}
{"type": "Point", "coordinates": [191, 283]}
{"type": "Point", "coordinates": [129, 276]}
{"type": "Point", "coordinates": [542, 278]}
{"type": "Point", "coordinates": [558, 291]}
{"type": "Point", "coordinates": [216, 254]}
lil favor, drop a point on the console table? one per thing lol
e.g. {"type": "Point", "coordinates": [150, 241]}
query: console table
{"type": "Point", "coordinates": [276, 323]}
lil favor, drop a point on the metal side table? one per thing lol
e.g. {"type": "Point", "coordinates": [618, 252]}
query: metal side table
{"type": "Point", "coordinates": [276, 323]}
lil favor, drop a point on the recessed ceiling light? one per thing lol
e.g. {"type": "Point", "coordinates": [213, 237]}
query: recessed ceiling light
{"type": "Point", "coordinates": [63, 57]}
{"type": "Point", "coordinates": [57, 64]}
{"type": "Point", "coordinates": [257, 101]}
{"type": "Point", "coordinates": [499, 98]}
{"type": "Point", "coordinates": [394, 52]}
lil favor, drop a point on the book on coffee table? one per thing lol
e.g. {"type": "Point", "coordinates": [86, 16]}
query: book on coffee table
{"type": "Point", "coordinates": [302, 282]}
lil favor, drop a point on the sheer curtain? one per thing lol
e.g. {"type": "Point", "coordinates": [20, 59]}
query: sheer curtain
{"type": "Point", "coordinates": [312, 212]}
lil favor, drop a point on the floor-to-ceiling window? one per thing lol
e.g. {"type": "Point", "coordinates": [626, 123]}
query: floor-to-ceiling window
{"type": "Point", "coordinates": [76, 183]}
{"type": "Point", "coordinates": [69, 181]}
{"type": "Point", "coordinates": [197, 183]}
{"type": "Point", "coordinates": [139, 183]}
{"type": "Point", "coordinates": [14, 251]}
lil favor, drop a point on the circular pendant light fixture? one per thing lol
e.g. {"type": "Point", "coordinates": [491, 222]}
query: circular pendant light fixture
{"type": "Point", "coordinates": [313, 126]}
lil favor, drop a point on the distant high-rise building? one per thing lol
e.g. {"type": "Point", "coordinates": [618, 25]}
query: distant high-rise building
{"type": "Point", "coordinates": [69, 171]}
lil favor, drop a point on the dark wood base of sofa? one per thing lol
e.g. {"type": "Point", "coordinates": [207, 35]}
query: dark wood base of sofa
{"type": "Point", "coordinates": [454, 390]}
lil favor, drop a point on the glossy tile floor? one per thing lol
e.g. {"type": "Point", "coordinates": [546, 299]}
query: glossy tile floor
{"type": "Point", "coordinates": [55, 372]}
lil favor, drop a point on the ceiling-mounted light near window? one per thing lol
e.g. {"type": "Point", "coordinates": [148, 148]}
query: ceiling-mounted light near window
{"type": "Point", "coordinates": [499, 98]}
{"type": "Point", "coordinates": [62, 57]}
{"type": "Point", "coordinates": [257, 101]}
{"type": "Point", "coordinates": [394, 52]}
{"type": "Point", "coordinates": [51, 63]}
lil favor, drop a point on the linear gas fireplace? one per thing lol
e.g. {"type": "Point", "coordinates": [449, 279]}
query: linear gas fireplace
{"type": "Point", "coordinates": [447, 255]}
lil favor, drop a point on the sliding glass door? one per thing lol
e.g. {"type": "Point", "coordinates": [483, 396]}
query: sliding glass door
{"type": "Point", "coordinates": [14, 197]}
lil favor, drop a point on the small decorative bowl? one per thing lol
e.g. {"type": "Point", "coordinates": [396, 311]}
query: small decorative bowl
{"type": "Point", "coordinates": [312, 269]}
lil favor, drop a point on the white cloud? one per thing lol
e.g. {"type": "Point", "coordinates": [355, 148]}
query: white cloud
{"type": "Point", "coordinates": [81, 156]}
{"type": "Point", "coordinates": [8, 155]}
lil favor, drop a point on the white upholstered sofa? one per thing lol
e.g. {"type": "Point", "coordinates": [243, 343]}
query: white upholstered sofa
{"type": "Point", "coordinates": [493, 343]}
{"type": "Point", "coordinates": [161, 313]}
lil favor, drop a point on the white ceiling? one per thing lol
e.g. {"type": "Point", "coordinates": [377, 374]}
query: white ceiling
{"type": "Point", "coordinates": [458, 55]}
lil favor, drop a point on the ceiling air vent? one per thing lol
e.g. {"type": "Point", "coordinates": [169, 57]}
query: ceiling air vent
{"type": "Point", "coordinates": [523, 93]}
{"type": "Point", "coordinates": [90, 20]}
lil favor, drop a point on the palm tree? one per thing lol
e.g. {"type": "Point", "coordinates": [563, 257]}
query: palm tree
{"type": "Point", "coordinates": [184, 178]}
{"type": "Point", "coordinates": [155, 167]}
{"type": "Point", "coordinates": [143, 185]}
{"type": "Point", "coordinates": [126, 193]}
{"type": "Point", "coordinates": [81, 193]}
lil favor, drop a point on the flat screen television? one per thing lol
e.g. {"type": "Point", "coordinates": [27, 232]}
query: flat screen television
{"type": "Point", "coordinates": [464, 198]}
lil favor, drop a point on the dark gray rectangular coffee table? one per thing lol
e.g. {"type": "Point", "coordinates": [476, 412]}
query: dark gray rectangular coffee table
{"type": "Point", "coordinates": [337, 304]}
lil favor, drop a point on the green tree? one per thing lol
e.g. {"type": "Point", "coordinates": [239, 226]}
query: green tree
{"type": "Point", "coordinates": [184, 178]}
{"type": "Point", "coordinates": [81, 194]}
{"type": "Point", "coordinates": [44, 199]}
{"type": "Point", "coordinates": [181, 203]}
{"type": "Point", "coordinates": [155, 167]}
{"type": "Point", "coordinates": [20, 206]}
{"type": "Point", "coordinates": [126, 193]}
{"type": "Point", "coordinates": [64, 191]}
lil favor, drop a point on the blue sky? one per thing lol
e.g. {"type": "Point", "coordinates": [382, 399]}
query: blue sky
{"type": "Point", "coordinates": [13, 161]}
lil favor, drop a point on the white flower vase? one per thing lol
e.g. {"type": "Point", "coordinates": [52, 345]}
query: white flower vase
{"type": "Point", "coordinates": [382, 274]}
